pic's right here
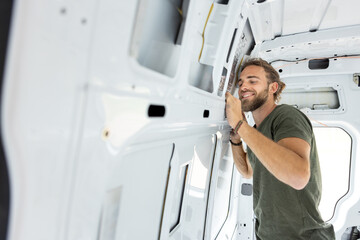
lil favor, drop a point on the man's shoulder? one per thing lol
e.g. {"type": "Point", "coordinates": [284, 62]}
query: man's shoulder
{"type": "Point", "coordinates": [291, 122]}
{"type": "Point", "coordinates": [293, 116]}
{"type": "Point", "coordinates": [287, 107]}
{"type": "Point", "coordinates": [288, 110]}
{"type": "Point", "coordinates": [283, 116]}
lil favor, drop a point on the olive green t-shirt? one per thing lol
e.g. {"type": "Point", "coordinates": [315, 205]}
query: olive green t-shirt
{"type": "Point", "coordinates": [281, 211]}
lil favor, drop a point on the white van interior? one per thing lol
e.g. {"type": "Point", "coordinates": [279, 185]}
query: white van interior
{"type": "Point", "coordinates": [113, 121]}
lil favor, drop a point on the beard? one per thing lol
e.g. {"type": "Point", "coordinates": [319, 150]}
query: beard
{"type": "Point", "coordinates": [258, 101]}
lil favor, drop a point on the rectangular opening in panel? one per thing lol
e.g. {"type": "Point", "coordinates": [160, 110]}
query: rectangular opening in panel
{"type": "Point", "coordinates": [316, 64]}
{"type": "Point", "coordinates": [231, 45]}
{"type": "Point", "coordinates": [247, 39]}
{"type": "Point", "coordinates": [222, 82]}
{"type": "Point", "coordinates": [232, 77]}
{"type": "Point", "coordinates": [244, 47]}
{"type": "Point", "coordinates": [183, 6]}
{"type": "Point", "coordinates": [178, 198]}
{"type": "Point", "coordinates": [223, 2]}
{"type": "Point", "coordinates": [158, 31]}
{"type": "Point", "coordinates": [320, 98]}
{"type": "Point", "coordinates": [201, 76]}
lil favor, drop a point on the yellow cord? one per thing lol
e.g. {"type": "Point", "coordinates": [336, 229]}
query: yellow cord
{"type": "Point", "coordinates": [202, 35]}
{"type": "Point", "coordinates": [180, 11]}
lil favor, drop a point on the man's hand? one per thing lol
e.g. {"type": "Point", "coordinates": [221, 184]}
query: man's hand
{"type": "Point", "coordinates": [233, 110]}
{"type": "Point", "coordinates": [235, 137]}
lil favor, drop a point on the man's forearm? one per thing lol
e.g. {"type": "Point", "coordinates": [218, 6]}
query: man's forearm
{"type": "Point", "coordinates": [241, 161]}
{"type": "Point", "coordinates": [285, 164]}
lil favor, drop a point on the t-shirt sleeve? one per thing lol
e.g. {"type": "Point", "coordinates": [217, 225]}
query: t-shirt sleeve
{"type": "Point", "coordinates": [292, 123]}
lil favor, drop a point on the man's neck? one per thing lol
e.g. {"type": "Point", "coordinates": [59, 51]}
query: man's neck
{"type": "Point", "coordinates": [262, 112]}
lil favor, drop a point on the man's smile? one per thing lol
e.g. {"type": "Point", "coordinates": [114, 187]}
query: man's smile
{"type": "Point", "coordinates": [247, 95]}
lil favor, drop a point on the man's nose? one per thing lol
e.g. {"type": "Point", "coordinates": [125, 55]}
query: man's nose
{"type": "Point", "coordinates": [243, 87]}
{"type": "Point", "coordinates": [241, 90]}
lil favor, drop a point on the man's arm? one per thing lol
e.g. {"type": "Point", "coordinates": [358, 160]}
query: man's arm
{"type": "Point", "coordinates": [288, 159]}
{"type": "Point", "coordinates": [241, 161]}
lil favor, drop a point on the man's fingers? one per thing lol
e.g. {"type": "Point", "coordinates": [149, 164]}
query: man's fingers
{"type": "Point", "coordinates": [227, 95]}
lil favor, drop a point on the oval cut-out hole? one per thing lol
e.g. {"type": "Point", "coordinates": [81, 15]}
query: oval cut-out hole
{"type": "Point", "coordinates": [319, 64]}
{"type": "Point", "coordinates": [223, 2]}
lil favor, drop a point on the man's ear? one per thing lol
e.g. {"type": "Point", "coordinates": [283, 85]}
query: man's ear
{"type": "Point", "coordinates": [274, 87]}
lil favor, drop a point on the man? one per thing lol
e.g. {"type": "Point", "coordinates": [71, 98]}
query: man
{"type": "Point", "coordinates": [281, 157]}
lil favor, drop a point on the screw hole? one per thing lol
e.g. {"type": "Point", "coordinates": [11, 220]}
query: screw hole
{"type": "Point", "coordinates": [106, 133]}
{"type": "Point", "coordinates": [63, 11]}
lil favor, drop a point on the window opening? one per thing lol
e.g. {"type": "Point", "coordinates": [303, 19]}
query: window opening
{"type": "Point", "coordinates": [334, 145]}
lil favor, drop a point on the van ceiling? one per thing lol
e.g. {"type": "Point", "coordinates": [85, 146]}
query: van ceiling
{"type": "Point", "coordinates": [271, 19]}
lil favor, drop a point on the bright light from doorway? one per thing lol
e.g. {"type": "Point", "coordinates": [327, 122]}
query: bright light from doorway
{"type": "Point", "coordinates": [334, 148]}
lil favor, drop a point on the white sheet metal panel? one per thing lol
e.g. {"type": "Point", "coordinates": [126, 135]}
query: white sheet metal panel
{"type": "Point", "coordinates": [274, 18]}
{"type": "Point", "coordinates": [341, 13]}
{"type": "Point", "coordinates": [320, 44]}
{"type": "Point", "coordinates": [42, 107]}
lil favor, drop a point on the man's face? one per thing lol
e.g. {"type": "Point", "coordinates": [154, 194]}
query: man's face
{"type": "Point", "coordinates": [253, 88]}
